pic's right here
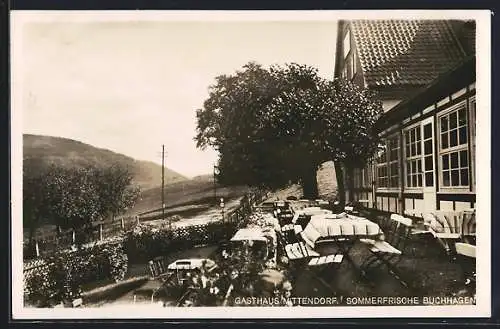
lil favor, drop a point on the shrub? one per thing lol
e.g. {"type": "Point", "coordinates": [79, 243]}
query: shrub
{"type": "Point", "coordinates": [146, 241]}
{"type": "Point", "coordinates": [62, 275]}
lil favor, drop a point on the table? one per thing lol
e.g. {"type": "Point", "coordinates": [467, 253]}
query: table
{"type": "Point", "coordinates": [344, 231]}
{"type": "Point", "coordinates": [334, 227]}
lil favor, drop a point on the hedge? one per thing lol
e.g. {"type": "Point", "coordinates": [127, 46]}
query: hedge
{"type": "Point", "coordinates": [61, 275]}
{"type": "Point", "coordinates": [146, 242]}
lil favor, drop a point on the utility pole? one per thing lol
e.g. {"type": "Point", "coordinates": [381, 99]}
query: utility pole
{"type": "Point", "coordinates": [215, 186]}
{"type": "Point", "coordinates": [163, 182]}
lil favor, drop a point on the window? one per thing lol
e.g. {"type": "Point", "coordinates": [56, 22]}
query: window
{"type": "Point", "coordinates": [367, 176]}
{"type": "Point", "coordinates": [353, 65]}
{"type": "Point", "coordinates": [357, 178]}
{"type": "Point", "coordinates": [382, 173]}
{"type": "Point", "coordinates": [362, 177]}
{"type": "Point", "coordinates": [348, 67]}
{"type": "Point", "coordinates": [347, 43]}
{"type": "Point", "coordinates": [393, 161]}
{"type": "Point", "coordinates": [454, 152]}
{"type": "Point", "coordinates": [472, 106]}
{"type": "Point", "coordinates": [413, 153]}
{"type": "Point", "coordinates": [388, 164]}
{"type": "Point", "coordinates": [428, 155]}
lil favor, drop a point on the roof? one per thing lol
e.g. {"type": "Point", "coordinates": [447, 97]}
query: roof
{"type": "Point", "coordinates": [405, 52]}
{"type": "Point", "coordinates": [461, 75]}
{"type": "Point", "coordinates": [250, 233]}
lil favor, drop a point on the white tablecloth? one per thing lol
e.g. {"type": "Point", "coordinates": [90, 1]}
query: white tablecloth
{"type": "Point", "coordinates": [322, 226]}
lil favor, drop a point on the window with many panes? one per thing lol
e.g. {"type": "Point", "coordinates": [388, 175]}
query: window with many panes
{"type": "Point", "coordinates": [413, 153]}
{"type": "Point", "coordinates": [388, 164]}
{"type": "Point", "coordinates": [454, 152]}
{"type": "Point", "coordinates": [357, 178]}
{"type": "Point", "coordinates": [428, 155]}
{"type": "Point", "coordinates": [353, 65]}
{"type": "Point", "coordinates": [382, 172]}
{"type": "Point", "coordinates": [393, 144]}
{"type": "Point", "coordinates": [472, 106]}
{"type": "Point", "coordinates": [362, 176]}
{"type": "Point", "coordinates": [419, 156]}
{"type": "Point", "coordinates": [348, 67]}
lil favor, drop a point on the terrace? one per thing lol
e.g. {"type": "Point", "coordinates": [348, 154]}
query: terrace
{"type": "Point", "coordinates": [254, 259]}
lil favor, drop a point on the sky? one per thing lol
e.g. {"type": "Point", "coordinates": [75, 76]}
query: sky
{"type": "Point", "coordinates": [131, 86]}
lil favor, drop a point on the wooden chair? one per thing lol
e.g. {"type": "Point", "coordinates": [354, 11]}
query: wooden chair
{"type": "Point", "coordinates": [389, 252]}
{"type": "Point", "coordinates": [449, 227]}
{"type": "Point", "coordinates": [322, 264]}
{"type": "Point", "coordinates": [299, 251]}
{"type": "Point", "coordinates": [467, 260]}
{"type": "Point", "coordinates": [469, 226]}
{"type": "Point", "coordinates": [159, 277]}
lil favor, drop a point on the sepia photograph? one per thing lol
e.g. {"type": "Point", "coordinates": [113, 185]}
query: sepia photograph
{"type": "Point", "coordinates": [239, 164]}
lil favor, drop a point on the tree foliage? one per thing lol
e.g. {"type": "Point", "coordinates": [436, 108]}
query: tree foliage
{"type": "Point", "coordinates": [73, 198]}
{"type": "Point", "coordinates": [278, 125]}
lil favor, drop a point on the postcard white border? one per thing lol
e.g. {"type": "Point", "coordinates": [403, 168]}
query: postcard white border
{"type": "Point", "coordinates": [483, 92]}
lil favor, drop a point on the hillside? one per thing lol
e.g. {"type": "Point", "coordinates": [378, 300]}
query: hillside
{"type": "Point", "coordinates": [71, 153]}
{"type": "Point", "coordinates": [203, 178]}
{"type": "Point", "coordinates": [188, 192]}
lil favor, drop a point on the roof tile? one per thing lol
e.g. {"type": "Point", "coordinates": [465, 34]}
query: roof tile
{"type": "Point", "coordinates": [405, 52]}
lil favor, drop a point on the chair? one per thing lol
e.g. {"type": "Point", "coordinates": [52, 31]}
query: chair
{"type": "Point", "coordinates": [288, 234]}
{"type": "Point", "coordinates": [159, 276]}
{"type": "Point", "coordinates": [299, 251]}
{"type": "Point", "coordinates": [321, 264]}
{"type": "Point", "coordinates": [469, 226]}
{"type": "Point", "coordinates": [389, 252]}
{"type": "Point", "coordinates": [449, 227]}
{"type": "Point", "coordinates": [467, 259]}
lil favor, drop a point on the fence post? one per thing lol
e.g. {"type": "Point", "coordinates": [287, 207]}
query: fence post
{"type": "Point", "coordinates": [137, 217]}
{"type": "Point", "coordinates": [123, 224]}
{"type": "Point", "coordinates": [37, 249]}
{"type": "Point", "coordinates": [100, 232]}
{"type": "Point", "coordinates": [73, 236]}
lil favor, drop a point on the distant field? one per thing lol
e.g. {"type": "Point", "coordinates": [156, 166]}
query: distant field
{"type": "Point", "coordinates": [192, 192]}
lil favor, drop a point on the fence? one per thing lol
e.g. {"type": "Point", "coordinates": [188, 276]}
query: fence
{"type": "Point", "coordinates": [49, 241]}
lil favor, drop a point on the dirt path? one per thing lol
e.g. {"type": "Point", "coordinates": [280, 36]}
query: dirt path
{"type": "Point", "coordinates": [213, 214]}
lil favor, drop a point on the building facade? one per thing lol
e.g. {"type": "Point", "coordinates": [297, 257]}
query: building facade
{"type": "Point", "coordinates": [424, 73]}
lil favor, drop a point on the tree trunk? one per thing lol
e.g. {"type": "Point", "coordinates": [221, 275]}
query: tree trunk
{"type": "Point", "coordinates": [350, 182]}
{"type": "Point", "coordinates": [339, 173]}
{"type": "Point", "coordinates": [310, 184]}
{"type": "Point", "coordinates": [31, 242]}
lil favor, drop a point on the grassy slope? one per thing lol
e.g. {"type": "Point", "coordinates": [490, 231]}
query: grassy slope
{"type": "Point", "coordinates": [190, 192]}
{"type": "Point", "coordinates": [68, 152]}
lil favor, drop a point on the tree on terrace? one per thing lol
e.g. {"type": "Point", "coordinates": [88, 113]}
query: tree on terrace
{"type": "Point", "coordinates": [355, 140]}
{"type": "Point", "coordinates": [279, 125]}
